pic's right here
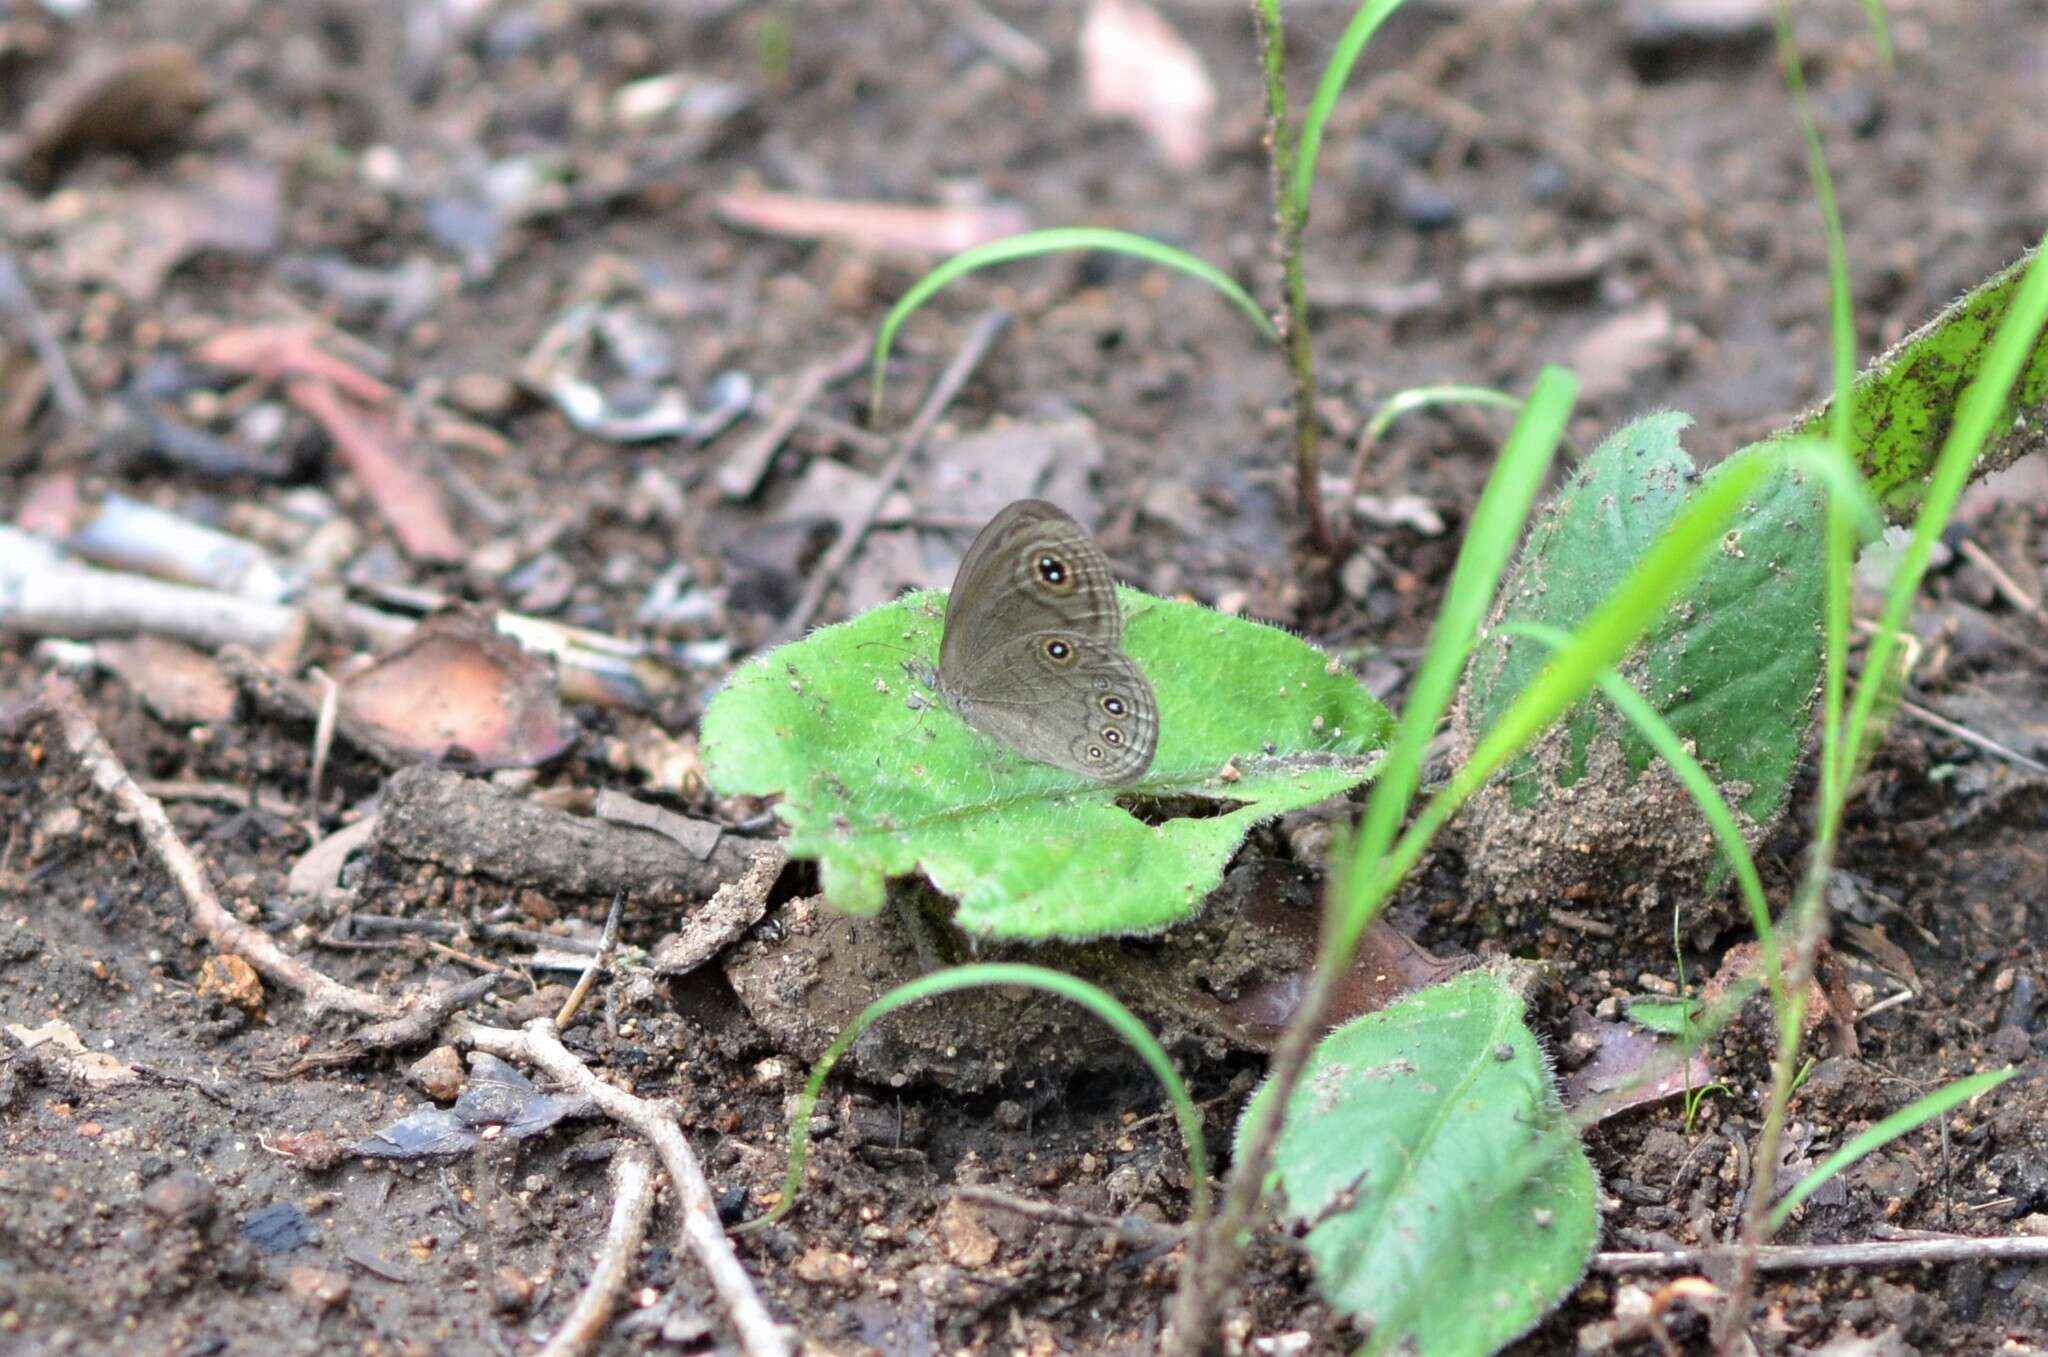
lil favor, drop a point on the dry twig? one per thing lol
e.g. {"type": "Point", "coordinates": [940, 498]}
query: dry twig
{"type": "Point", "coordinates": [605, 945]}
{"type": "Point", "coordinates": [632, 1203]}
{"type": "Point", "coordinates": [980, 340]}
{"type": "Point", "coordinates": [1923, 1251]}
{"type": "Point", "coordinates": [222, 930]}
{"type": "Point", "coordinates": [701, 1234]}
{"type": "Point", "coordinates": [739, 475]}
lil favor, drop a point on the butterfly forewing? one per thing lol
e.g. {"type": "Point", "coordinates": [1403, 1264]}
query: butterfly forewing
{"type": "Point", "coordinates": [1032, 652]}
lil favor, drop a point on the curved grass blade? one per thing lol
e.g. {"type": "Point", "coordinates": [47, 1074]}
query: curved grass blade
{"type": "Point", "coordinates": [1696, 780]}
{"type": "Point", "coordinates": [1099, 1002]}
{"type": "Point", "coordinates": [1490, 538]}
{"type": "Point", "coordinates": [1350, 46]}
{"type": "Point", "coordinates": [1054, 240]}
{"type": "Point", "coordinates": [1915, 1113]}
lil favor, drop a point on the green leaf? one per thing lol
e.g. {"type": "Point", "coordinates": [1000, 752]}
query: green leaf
{"type": "Point", "coordinates": [1253, 722]}
{"type": "Point", "coordinates": [1907, 401]}
{"type": "Point", "coordinates": [1733, 667]}
{"type": "Point", "coordinates": [1586, 541]}
{"type": "Point", "coordinates": [1670, 1017]}
{"type": "Point", "coordinates": [1452, 1204]}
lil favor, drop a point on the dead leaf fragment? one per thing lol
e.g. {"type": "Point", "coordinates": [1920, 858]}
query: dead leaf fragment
{"type": "Point", "coordinates": [969, 1242]}
{"type": "Point", "coordinates": [457, 689]}
{"type": "Point", "coordinates": [1610, 1076]}
{"type": "Point", "coordinates": [1135, 66]}
{"type": "Point", "coordinates": [883, 228]}
{"type": "Point", "coordinates": [57, 1042]}
{"type": "Point", "coordinates": [368, 440]}
{"type": "Point", "coordinates": [1622, 348]}
{"type": "Point", "coordinates": [137, 238]}
{"type": "Point", "coordinates": [275, 352]}
{"type": "Point", "coordinates": [124, 101]}
{"type": "Point", "coordinates": [182, 686]}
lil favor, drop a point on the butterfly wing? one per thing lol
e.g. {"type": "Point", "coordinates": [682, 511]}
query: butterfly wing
{"type": "Point", "coordinates": [1032, 654]}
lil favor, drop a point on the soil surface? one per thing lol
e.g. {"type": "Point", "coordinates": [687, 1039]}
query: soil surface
{"type": "Point", "coordinates": [428, 191]}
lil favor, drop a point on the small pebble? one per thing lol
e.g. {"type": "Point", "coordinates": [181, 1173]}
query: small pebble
{"type": "Point", "coordinates": [438, 1074]}
{"type": "Point", "coordinates": [483, 394]}
{"type": "Point", "coordinates": [315, 1288]}
{"type": "Point", "coordinates": [181, 1198]}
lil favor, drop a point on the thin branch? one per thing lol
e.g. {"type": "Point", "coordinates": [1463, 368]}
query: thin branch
{"type": "Point", "coordinates": [980, 340]}
{"type": "Point", "coordinates": [18, 301]}
{"type": "Point", "coordinates": [222, 930]}
{"type": "Point", "coordinates": [740, 475]}
{"type": "Point", "coordinates": [605, 945]}
{"type": "Point", "coordinates": [1799, 1257]}
{"type": "Point", "coordinates": [632, 1203]}
{"type": "Point", "coordinates": [700, 1232]}
{"type": "Point", "coordinates": [1929, 716]}
{"type": "Point", "coordinates": [1052, 1213]}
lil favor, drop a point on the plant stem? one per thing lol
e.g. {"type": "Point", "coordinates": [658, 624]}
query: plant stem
{"type": "Point", "coordinates": [1290, 215]}
{"type": "Point", "coordinates": [1214, 1251]}
{"type": "Point", "coordinates": [1809, 927]}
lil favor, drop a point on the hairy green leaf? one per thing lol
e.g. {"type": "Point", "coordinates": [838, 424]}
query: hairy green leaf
{"type": "Point", "coordinates": [1452, 1206]}
{"type": "Point", "coordinates": [879, 780]}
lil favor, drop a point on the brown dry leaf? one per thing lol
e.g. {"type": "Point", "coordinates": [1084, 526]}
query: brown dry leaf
{"type": "Point", "coordinates": [58, 1042]}
{"type": "Point", "coordinates": [1875, 943]}
{"type": "Point", "coordinates": [1136, 66]}
{"type": "Point", "coordinates": [1621, 1051]}
{"type": "Point", "coordinates": [884, 228]}
{"type": "Point", "coordinates": [182, 686]}
{"type": "Point", "coordinates": [457, 690]}
{"type": "Point", "coordinates": [1389, 965]}
{"type": "Point", "coordinates": [135, 239]}
{"type": "Point", "coordinates": [126, 101]}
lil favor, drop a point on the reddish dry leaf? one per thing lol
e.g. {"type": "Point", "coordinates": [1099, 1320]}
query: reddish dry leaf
{"type": "Point", "coordinates": [458, 691]}
{"type": "Point", "coordinates": [1389, 965]}
{"type": "Point", "coordinates": [878, 227]}
{"type": "Point", "coordinates": [1136, 66]}
{"type": "Point", "coordinates": [276, 352]}
{"type": "Point", "coordinates": [1610, 1080]}
{"type": "Point", "coordinates": [368, 443]}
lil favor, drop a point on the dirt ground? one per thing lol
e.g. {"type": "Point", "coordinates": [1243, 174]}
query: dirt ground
{"type": "Point", "coordinates": [1616, 187]}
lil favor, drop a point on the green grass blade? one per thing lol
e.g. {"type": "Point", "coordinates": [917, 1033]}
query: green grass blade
{"type": "Point", "coordinates": [1975, 415]}
{"type": "Point", "coordinates": [1365, 21]}
{"type": "Point", "coordinates": [1054, 241]}
{"type": "Point", "coordinates": [1697, 781]}
{"type": "Point", "coordinates": [1490, 539]}
{"type": "Point", "coordinates": [1880, 29]}
{"type": "Point", "coordinates": [1097, 1001]}
{"type": "Point", "coordinates": [1429, 397]}
{"type": "Point", "coordinates": [1915, 1113]}
{"type": "Point", "coordinates": [1841, 424]}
